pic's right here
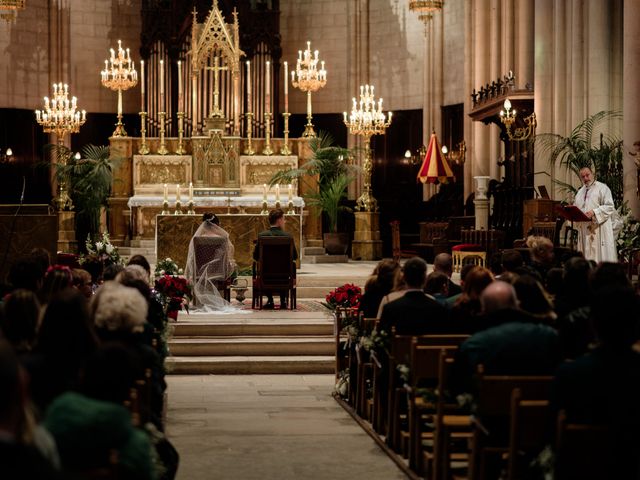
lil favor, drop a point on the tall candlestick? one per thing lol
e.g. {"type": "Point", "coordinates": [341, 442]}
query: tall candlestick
{"type": "Point", "coordinates": [286, 87]}
{"type": "Point", "coordinates": [267, 95]}
{"type": "Point", "coordinates": [166, 192]}
{"type": "Point", "coordinates": [177, 192]}
{"type": "Point", "coordinates": [264, 192]}
{"type": "Point", "coordinates": [190, 191]}
{"type": "Point", "coordinates": [277, 192]}
{"type": "Point", "coordinates": [180, 106]}
{"type": "Point", "coordinates": [248, 86]}
{"type": "Point", "coordinates": [162, 85]}
{"type": "Point", "coordinates": [142, 86]}
{"type": "Point", "coordinates": [290, 192]}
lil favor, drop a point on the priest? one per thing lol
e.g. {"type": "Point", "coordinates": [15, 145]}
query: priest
{"type": "Point", "coordinates": [595, 238]}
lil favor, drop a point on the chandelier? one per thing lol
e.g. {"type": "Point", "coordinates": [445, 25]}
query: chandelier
{"type": "Point", "coordinates": [119, 74]}
{"type": "Point", "coordinates": [425, 8]}
{"type": "Point", "coordinates": [367, 119]}
{"type": "Point", "coordinates": [308, 78]}
{"type": "Point", "coordinates": [60, 116]}
{"type": "Point", "coordinates": [9, 9]}
{"type": "Point", "coordinates": [521, 134]}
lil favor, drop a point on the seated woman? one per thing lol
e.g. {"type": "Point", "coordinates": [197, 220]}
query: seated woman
{"type": "Point", "coordinates": [209, 265]}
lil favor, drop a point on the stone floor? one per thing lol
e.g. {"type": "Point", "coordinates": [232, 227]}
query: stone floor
{"type": "Point", "coordinates": [268, 427]}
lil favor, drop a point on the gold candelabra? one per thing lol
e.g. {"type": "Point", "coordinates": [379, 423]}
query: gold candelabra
{"type": "Point", "coordinates": [180, 150]}
{"type": "Point", "coordinates": [508, 117]}
{"type": "Point", "coordinates": [119, 74]}
{"type": "Point", "coordinates": [9, 9]}
{"type": "Point", "coordinates": [249, 149]}
{"type": "Point", "coordinates": [308, 78]}
{"type": "Point", "coordinates": [456, 156]}
{"type": "Point", "coordinates": [367, 119]}
{"type": "Point", "coordinates": [285, 150]}
{"type": "Point", "coordinates": [144, 148]}
{"type": "Point", "coordinates": [425, 8]}
{"type": "Point", "coordinates": [162, 149]}
{"type": "Point", "coordinates": [60, 116]}
{"type": "Point", "coordinates": [267, 135]}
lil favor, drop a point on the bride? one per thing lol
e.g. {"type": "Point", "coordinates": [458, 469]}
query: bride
{"type": "Point", "coordinates": [219, 267]}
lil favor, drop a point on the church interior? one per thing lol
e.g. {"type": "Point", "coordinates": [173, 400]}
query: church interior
{"type": "Point", "coordinates": [310, 239]}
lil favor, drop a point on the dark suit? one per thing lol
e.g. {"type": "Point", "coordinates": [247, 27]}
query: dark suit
{"type": "Point", "coordinates": [274, 232]}
{"type": "Point", "coordinates": [414, 314]}
{"type": "Point", "coordinates": [454, 289]}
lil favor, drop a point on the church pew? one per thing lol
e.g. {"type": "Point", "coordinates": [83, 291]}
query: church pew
{"type": "Point", "coordinates": [364, 369]}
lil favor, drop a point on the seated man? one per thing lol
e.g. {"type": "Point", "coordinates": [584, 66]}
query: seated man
{"type": "Point", "coordinates": [444, 263]}
{"type": "Point", "coordinates": [276, 229]}
{"type": "Point", "coordinates": [219, 267]}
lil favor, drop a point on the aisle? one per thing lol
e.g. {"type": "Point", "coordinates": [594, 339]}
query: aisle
{"type": "Point", "coordinates": [268, 427]}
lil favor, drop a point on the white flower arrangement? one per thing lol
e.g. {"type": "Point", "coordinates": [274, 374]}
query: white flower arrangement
{"type": "Point", "coordinates": [168, 267]}
{"type": "Point", "coordinates": [101, 250]}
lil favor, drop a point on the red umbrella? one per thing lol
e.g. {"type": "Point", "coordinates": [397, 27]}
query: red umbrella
{"type": "Point", "coordinates": [434, 167]}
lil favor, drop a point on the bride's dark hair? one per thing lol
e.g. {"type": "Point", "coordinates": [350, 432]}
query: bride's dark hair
{"type": "Point", "coordinates": [211, 218]}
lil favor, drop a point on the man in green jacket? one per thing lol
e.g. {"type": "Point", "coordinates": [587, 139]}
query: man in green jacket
{"type": "Point", "coordinates": [276, 229]}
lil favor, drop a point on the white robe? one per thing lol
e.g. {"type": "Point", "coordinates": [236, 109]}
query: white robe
{"type": "Point", "coordinates": [596, 239]}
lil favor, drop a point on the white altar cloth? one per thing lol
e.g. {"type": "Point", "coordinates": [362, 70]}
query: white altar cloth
{"type": "Point", "coordinates": [217, 201]}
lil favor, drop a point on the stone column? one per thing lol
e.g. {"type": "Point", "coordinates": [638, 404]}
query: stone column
{"type": "Point", "coordinates": [481, 58]}
{"type": "Point", "coordinates": [599, 56]}
{"type": "Point", "coordinates": [469, 85]}
{"type": "Point", "coordinates": [577, 93]}
{"type": "Point", "coordinates": [496, 71]}
{"type": "Point", "coordinates": [525, 40]}
{"type": "Point", "coordinates": [631, 100]}
{"type": "Point", "coordinates": [560, 80]}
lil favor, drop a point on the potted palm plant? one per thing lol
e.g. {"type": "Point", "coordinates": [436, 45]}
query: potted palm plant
{"type": "Point", "coordinates": [88, 179]}
{"type": "Point", "coordinates": [334, 175]}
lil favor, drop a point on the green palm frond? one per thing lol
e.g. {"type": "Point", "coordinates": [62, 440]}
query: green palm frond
{"type": "Point", "coordinates": [328, 199]}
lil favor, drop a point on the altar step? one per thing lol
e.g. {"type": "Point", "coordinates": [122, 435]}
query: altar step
{"type": "Point", "coordinates": [255, 343]}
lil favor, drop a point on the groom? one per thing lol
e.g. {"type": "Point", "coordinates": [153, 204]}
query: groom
{"type": "Point", "coordinates": [276, 229]}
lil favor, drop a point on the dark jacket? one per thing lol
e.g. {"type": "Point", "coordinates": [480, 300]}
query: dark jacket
{"type": "Point", "coordinates": [414, 314]}
{"type": "Point", "coordinates": [273, 232]}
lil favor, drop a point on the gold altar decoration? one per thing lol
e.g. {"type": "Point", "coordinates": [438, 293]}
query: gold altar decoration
{"type": "Point", "coordinates": [9, 9]}
{"type": "Point", "coordinates": [61, 117]}
{"type": "Point", "coordinates": [214, 37]}
{"type": "Point", "coordinates": [257, 170]}
{"type": "Point", "coordinates": [151, 172]}
{"type": "Point", "coordinates": [216, 160]}
{"type": "Point", "coordinates": [308, 78]}
{"type": "Point", "coordinates": [457, 156]}
{"type": "Point", "coordinates": [367, 119]}
{"type": "Point", "coordinates": [267, 150]}
{"type": "Point", "coordinates": [508, 117]}
{"type": "Point", "coordinates": [119, 74]}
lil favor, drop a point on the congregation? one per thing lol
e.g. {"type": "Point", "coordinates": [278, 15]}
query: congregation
{"type": "Point", "coordinates": [82, 373]}
{"type": "Point", "coordinates": [567, 319]}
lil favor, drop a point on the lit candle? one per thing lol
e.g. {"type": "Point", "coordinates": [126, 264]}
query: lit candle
{"type": "Point", "coordinates": [141, 86]}
{"type": "Point", "coordinates": [264, 192]}
{"type": "Point", "coordinates": [267, 96]}
{"type": "Point", "coordinates": [166, 192]}
{"type": "Point", "coordinates": [177, 192]}
{"type": "Point", "coordinates": [191, 191]}
{"type": "Point", "coordinates": [162, 85]}
{"type": "Point", "coordinates": [180, 106]}
{"type": "Point", "coordinates": [286, 87]}
{"type": "Point", "coordinates": [248, 86]}
{"type": "Point", "coordinates": [277, 192]}
{"type": "Point", "coordinates": [290, 192]}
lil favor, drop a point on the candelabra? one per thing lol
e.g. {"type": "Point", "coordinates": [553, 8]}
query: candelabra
{"type": "Point", "coordinates": [180, 150]}
{"type": "Point", "coordinates": [265, 208]}
{"type": "Point", "coordinates": [425, 8]}
{"type": "Point", "coordinates": [144, 148]}
{"type": "Point", "coordinates": [162, 149]}
{"type": "Point", "coordinates": [267, 135]}
{"type": "Point", "coordinates": [61, 117]}
{"type": "Point", "coordinates": [308, 79]}
{"type": "Point", "coordinates": [191, 208]}
{"type": "Point", "coordinates": [508, 117]}
{"type": "Point", "coordinates": [9, 9]}
{"type": "Point", "coordinates": [285, 150]}
{"type": "Point", "coordinates": [456, 156]}
{"type": "Point", "coordinates": [119, 74]}
{"type": "Point", "coordinates": [366, 119]}
{"type": "Point", "coordinates": [165, 207]}
{"type": "Point", "coordinates": [249, 149]}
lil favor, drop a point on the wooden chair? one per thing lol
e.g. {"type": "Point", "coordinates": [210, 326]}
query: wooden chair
{"type": "Point", "coordinates": [207, 249]}
{"type": "Point", "coordinates": [432, 234]}
{"type": "Point", "coordinates": [528, 432]}
{"type": "Point", "coordinates": [396, 247]}
{"type": "Point", "coordinates": [493, 407]}
{"type": "Point", "coordinates": [581, 451]}
{"type": "Point", "coordinates": [275, 270]}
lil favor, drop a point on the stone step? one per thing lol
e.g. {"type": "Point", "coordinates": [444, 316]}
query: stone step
{"type": "Point", "coordinates": [306, 251]}
{"type": "Point", "coordinates": [249, 365]}
{"type": "Point", "coordinates": [143, 243]}
{"type": "Point", "coordinates": [252, 346]}
{"type": "Point", "coordinates": [314, 243]}
{"type": "Point", "coordinates": [278, 328]}
{"type": "Point", "coordinates": [324, 258]}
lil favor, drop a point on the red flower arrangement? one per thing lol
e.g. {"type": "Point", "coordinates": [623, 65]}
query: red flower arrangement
{"type": "Point", "coordinates": [347, 295]}
{"type": "Point", "coordinates": [174, 293]}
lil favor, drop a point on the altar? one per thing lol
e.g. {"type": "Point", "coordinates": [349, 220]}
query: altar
{"type": "Point", "coordinates": [173, 233]}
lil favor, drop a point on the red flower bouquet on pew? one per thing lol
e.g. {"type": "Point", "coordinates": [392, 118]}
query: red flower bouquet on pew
{"type": "Point", "coordinates": [174, 292]}
{"type": "Point", "coordinates": [347, 295]}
